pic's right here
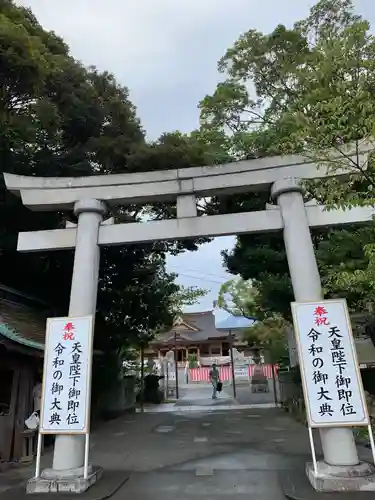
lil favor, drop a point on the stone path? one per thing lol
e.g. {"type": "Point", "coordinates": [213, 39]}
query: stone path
{"type": "Point", "coordinates": [195, 397]}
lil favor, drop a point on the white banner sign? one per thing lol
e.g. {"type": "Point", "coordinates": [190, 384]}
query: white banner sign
{"type": "Point", "coordinates": [330, 373]}
{"type": "Point", "coordinates": [171, 371]}
{"type": "Point", "coordinates": [241, 371]}
{"type": "Point", "coordinates": [67, 375]}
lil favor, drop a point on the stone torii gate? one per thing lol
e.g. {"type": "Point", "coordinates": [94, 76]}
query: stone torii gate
{"type": "Point", "coordinates": [89, 198]}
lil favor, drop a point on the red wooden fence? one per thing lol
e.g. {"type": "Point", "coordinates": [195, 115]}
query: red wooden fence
{"type": "Point", "coordinates": [203, 374]}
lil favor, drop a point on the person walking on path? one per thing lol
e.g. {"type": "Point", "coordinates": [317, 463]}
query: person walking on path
{"type": "Point", "coordinates": [214, 379]}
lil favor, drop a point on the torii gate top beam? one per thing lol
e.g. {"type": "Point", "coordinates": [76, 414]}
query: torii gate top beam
{"type": "Point", "coordinates": [60, 193]}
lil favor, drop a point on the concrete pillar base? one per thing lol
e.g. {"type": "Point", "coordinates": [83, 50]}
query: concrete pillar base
{"type": "Point", "coordinates": [70, 481]}
{"type": "Point", "coordinates": [331, 478]}
{"type": "Point", "coordinates": [57, 474]}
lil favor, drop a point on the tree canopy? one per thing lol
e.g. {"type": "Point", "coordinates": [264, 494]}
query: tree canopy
{"type": "Point", "coordinates": [306, 89]}
{"type": "Point", "coordinates": [238, 297]}
{"type": "Point", "coordinates": [269, 332]}
{"type": "Point", "coordinates": [303, 89]}
{"type": "Point", "coordinates": [271, 336]}
{"type": "Point", "coordinates": [59, 118]}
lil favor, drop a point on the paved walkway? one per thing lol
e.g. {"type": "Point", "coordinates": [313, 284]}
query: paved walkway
{"type": "Point", "coordinates": [245, 396]}
{"type": "Point", "coordinates": [197, 397]}
{"type": "Point", "coordinates": [200, 450]}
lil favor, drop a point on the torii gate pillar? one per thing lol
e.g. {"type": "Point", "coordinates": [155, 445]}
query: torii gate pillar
{"type": "Point", "coordinates": [69, 450]}
{"type": "Point", "coordinates": [341, 463]}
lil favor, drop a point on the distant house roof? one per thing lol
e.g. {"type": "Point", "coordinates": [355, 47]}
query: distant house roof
{"type": "Point", "coordinates": [193, 327]}
{"type": "Point", "coordinates": [235, 323]}
{"type": "Point", "coordinates": [22, 324]}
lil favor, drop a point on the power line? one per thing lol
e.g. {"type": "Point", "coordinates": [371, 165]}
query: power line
{"type": "Point", "coordinates": [199, 272]}
{"type": "Point", "coordinates": [201, 279]}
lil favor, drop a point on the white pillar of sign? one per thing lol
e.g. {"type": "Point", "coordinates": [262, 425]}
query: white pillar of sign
{"type": "Point", "coordinates": [69, 451]}
{"type": "Point", "coordinates": [338, 444]}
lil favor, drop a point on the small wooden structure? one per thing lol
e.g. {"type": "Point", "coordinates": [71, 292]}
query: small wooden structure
{"type": "Point", "coordinates": [22, 335]}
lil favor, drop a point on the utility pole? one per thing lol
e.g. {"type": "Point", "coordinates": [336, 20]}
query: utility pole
{"type": "Point", "coordinates": [142, 375]}
{"type": "Point", "coordinates": [232, 365]}
{"type": "Point", "coordinates": [274, 383]}
{"type": "Point", "coordinates": [175, 363]}
{"type": "Point", "coordinates": [166, 378]}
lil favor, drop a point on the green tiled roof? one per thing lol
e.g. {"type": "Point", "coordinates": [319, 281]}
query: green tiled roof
{"type": "Point", "coordinates": [22, 324]}
{"type": "Point", "coordinates": [7, 332]}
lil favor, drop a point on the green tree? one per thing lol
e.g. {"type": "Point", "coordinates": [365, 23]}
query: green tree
{"type": "Point", "coordinates": [347, 266]}
{"type": "Point", "coordinates": [304, 89]}
{"type": "Point", "coordinates": [238, 297]}
{"type": "Point", "coordinates": [185, 296]}
{"type": "Point", "coordinates": [271, 335]}
{"type": "Point", "coordinates": [269, 332]}
{"type": "Point", "coordinates": [59, 118]}
{"type": "Point", "coordinates": [343, 260]}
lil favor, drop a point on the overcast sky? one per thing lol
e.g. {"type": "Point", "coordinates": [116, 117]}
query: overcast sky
{"type": "Point", "coordinates": [166, 53]}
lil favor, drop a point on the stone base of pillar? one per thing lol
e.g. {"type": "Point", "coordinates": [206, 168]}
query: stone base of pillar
{"type": "Point", "coordinates": [359, 477]}
{"type": "Point", "coordinates": [71, 481]}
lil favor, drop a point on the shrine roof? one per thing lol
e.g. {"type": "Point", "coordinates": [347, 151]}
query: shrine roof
{"type": "Point", "coordinates": [22, 324]}
{"type": "Point", "coordinates": [194, 327]}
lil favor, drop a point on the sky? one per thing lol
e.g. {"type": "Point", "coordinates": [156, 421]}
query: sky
{"type": "Point", "coordinates": [166, 53]}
